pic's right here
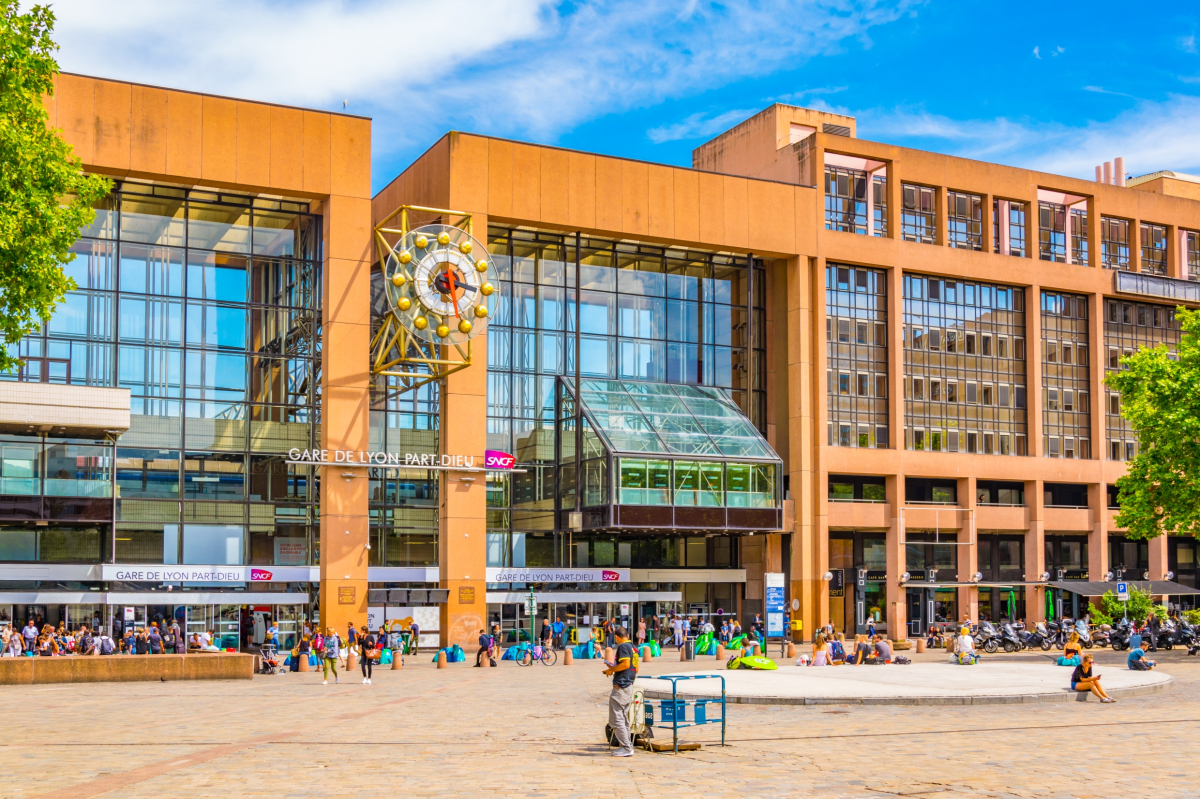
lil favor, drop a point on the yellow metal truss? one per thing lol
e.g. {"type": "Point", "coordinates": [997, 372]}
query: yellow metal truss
{"type": "Point", "coordinates": [395, 351]}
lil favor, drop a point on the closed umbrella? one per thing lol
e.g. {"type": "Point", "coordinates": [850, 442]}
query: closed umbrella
{"type": "Point", "coordinates": [1049, 604]}
{"type": "Point", "coordinates": [1012, 604]}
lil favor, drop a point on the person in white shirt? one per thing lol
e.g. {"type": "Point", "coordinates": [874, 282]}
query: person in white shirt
{"type": "Point", "coordinates": [964, 647]}
{"type": "Point", "coordinates": [677, 626]}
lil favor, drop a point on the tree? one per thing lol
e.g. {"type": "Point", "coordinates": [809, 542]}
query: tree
{"type": "Point", "coordinates": [45, 198]}
{"type": "Point", "coordinates": [1160, 397]}
{"type": "Point", "coordinates": [1137, 608]}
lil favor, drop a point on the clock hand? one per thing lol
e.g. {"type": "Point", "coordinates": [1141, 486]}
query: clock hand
{"type": "Point", "coordinates": [453, 285]}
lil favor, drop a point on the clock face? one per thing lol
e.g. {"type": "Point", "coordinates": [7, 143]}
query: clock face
{"type": "Point", "coordinates": [439, 284]}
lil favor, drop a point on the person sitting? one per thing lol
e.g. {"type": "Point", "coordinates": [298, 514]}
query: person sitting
{"type": "Point", "coordinates": [1082, 679]}
{"type": "Point", "coordinates": [883, 651]}
{"type": "Point", "coordinates": [964, 648]}
{"type": "Point", "coordinates": [1138, 661]}
{"type": "Point", "coordinates": [935, 637]}
{"type": "Point", "coordinates": [837, 650]}
{"type": "Point", "coordinates": [1071, 651]}
{"type": "Point", "coordinates": [862, 650]}
{"type": "Point", "coordinates": [820, 651]}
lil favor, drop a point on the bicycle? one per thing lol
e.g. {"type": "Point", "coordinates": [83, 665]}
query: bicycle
{"type": "Point", "coordinates": [545, 654]}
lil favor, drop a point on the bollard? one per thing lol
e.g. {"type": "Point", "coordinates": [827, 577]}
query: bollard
{"type": "Point", "coordinates": [303, 660]}
{"type": "Point", "coordinates": [948, 644]}
{"type": "Point", "coordinates": [351, 661]}
{"type": "Point", "coordinates": [397, 662]}
{"type": "Point", "coordinates": [649, 654]}
{"type": "Point", "coordinates": [791, 650]}
{"type": "Point", "coordinates": [720, 651]}
{"type": "Point", "coordinates": [441, 661]}
{"type": "Point", "coordinates": [920, 645]}
{"type": "Point", "coordinates": [568, 657]}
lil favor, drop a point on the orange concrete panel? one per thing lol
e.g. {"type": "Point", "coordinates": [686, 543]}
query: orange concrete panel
{"type": "Point", "coordinates": [1068, 520]}
{"type": "Point", "coordinates": [500, 178]}
{"type": "Point", "coordinates": [348, 230]}
{"type": "Point", "coordinates": [76, 112]}
{"type": "Point", "coordinates": [468, 173]}
{"type": "Point", "coordinates": [608, 194]}
{"type": "Point", "coordinates": [461, 622]}
{"type": "Point", "coordinates": [686, 192]}
{"type": "Point", "coordinates": [554, 202]}
{"type": "Point", "coordinates": [860, 515]}
{"type": "Point", "coordinates": [347, 297]}
{"type": "Point", "coordinates": [660, 192]}
{"type": "Point", "coordinates": [344, 419]}
{"type": "Point", "coordinates": [185, 136]}
{"type": "Point", "coordinates": [350, 156]}
{"type": "Point", "coordinates": [316, 152]}
{"type": "Point", "coordinates": [712, 208]}
{"type": "Point", "coordinates": [343, 489]}
{"type": "Point", "coordinates": [772, 217]}
{"type": "Point", "coordinates": [581, 190]}
{"type": "Point", "coordinates": [526, 180]}
{"type": "Point", "coordinates": [253, 144]}
{"type": "Point", "coordinates": [635, 197]}
{"type": "Point", "coordinates": [1000, 518]}
{"type": "Point", "coordinates": [111, 137]}
{"type": "Point", "coordinates": [461, 436]}
{"type": "Point", "coordinates": [148, 131]}
{"type": "Point", "coordinates": [737, 233]}
{"type": "Point", "coordinates": [218, 156]}
{"type": "Point", "coordinates": [287, 149]}
{"type": "Point", "coordinates": [808, 219]}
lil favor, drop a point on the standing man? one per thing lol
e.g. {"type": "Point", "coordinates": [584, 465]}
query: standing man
{"type": "Point", "coordinates": [545, 633]}
{"type": "Point", "coordinates": [29, 634]}
{"type": "Point", "coordinates": [677, 626]}
{"type": "Point", "coordinates": [414, 630]}
{"type": "Point", "coordinates": [558, 627]}
{"type": "Point", "coordinates": [180, 643]}
{"type": "Point", "coordinates": [623, 672]}
{"type": "Point", "coordinates": [1152, 627]}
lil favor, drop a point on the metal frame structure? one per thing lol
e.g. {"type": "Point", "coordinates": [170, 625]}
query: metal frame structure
{"type": "Point", "coordinates": [392, 345]}
{"type": "Point", "coordinates": [970, 526]}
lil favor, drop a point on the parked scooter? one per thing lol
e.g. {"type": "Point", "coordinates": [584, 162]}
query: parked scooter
{"type": "Point", "coordinates": [1037, 637]}
{"type": "Point", "coordinates": [1118, 638]}
{"type": "Point", "coordinates": [1009, 638]}
{"type": "Point", "coordinates": [1057, 637]}
{"type": "Point", "coordinates": [987, 637]}
{"type": "Point", "coordinates": [1079, 626]}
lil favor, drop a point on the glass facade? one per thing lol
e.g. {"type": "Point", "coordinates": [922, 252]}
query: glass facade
{"type": "Point", "coordinates": [1129, 326]}
{"type": "Point", "coordinates": [846, 201]}
{"type": "Point", "coordinates": [204, 304]}
{"type": "Point", "coordinates": [856, 346]}
{"type": "Point", "coordinates": [1052, 232]}
{"type": "Point", "coordinates": [645, 313]}
{"type": "Point", "coordinates": [918, 214]}
{"type": "Point", "coordinates": [1191, 243]}
{"type": "Point", "coordinates": [1153, 240]}
{"type": "Point", "coordinates": [964, 367]}
{"type": "Point", "coordinates": [1066, 411]}
{"type": "Point", "coordinates": [965, 220]}
{"type": "Point", "coordinates": [1114, 243]}
{"type": "Point", "coordinates": [1008, 227]}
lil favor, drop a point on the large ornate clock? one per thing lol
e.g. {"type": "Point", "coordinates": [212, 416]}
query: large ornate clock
{"type": "Point", "coordinates": [438, 280]}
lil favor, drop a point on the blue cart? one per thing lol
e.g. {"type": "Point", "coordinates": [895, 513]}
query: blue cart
{"type": "Point", "coordinates": [675, 710]}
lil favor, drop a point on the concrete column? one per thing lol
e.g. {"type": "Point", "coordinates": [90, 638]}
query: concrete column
{"type": "Point", "coordinates": [1033, 369]}
{"type": "Point", "coordinates": [1181, 254]}
{"type": "Point", "coordinates": [805, 344]}
{"type": "Point", "coordinates": [1173, 250]}
{"type": "Point", "coordinates": [1005, 230]}
{"type": "Point", "coordinates": [895, 356]}
{"type": "Point", "coordinates": [1098, 536]}
{"type": "Point", "coordinates": [894, 199]}
{"type": "Point", "coordinates": [1098, 354]}
{"type": "Point", "coordinates": [870, 204]}
{"type": "Point", "coordinates": [1158, 558]}
{"type": "Point", "coordinates": [1035, 552]}
{"type": "Point", "coordinates": [345, 373]}
{"type": "Point", "coordinates": [1093, 234]}
{"type": "Point", "coordinates": [988, 222]}
{"type": "Point", "coordinates": [897, 609]}
{"type": "Point", "coordinates": [1135, 245]}
{"type": "Point", "coordinates": [942, 209]}
{"type": "Point", "coordinates": [968, 556]}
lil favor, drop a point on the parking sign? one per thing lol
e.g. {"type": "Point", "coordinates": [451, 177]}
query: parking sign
{"type": "Point", "coordinates": [1123, 592]}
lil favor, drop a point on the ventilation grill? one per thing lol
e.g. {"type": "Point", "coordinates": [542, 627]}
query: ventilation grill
{"type": "Point", "coordinates": [836, 130]}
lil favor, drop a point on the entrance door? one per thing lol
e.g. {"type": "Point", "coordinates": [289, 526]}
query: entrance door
{"type": "Point", "coordinates": [916, 612]}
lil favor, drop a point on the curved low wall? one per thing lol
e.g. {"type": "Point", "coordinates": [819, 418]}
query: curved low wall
{"type": "Point", "coordinates": [125, 668]}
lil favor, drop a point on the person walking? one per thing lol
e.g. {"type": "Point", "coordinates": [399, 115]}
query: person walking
{"type": "Point", "coordinates": [330, 647]}
{"type": "Point", "coordinates": [641, 632]}
{"type": "Point", "coordinates": [624, 672]}
{"type": "Point", "coordinates": [368, 648]}
{"type": "Point", "coordinates": [1152, 627]}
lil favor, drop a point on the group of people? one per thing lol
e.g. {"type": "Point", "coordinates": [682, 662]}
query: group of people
{"type": "Point", "coordinates": [332, 650]}
{"type": "Point", "coordinates": [52, 641]}
{"type": "Point", "coordinates": [829, 649]}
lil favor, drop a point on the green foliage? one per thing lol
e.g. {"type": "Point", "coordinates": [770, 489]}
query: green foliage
{"type": "Point", "coordinates": [1137, 608]}
{"type": "Point", "coordinates": [1160, 611]}
{"type": "Point", "coordinates": [1098, 615]}
{"type": "Point", "coordinates": [1160, 398]}
{"type": "Point", "coordinates": [1192, 616]}
{"type": "Point", "coordinates": [45, 199]}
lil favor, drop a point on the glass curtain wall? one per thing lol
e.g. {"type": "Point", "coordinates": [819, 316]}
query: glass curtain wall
{"type": "Point", "coordinates": [965, 220]}
{"type": "Point", "coordinates": [1153, 240]}
{"type": "Point", "coordinates": [204, 305]}
{"type": "Point", "coordinates": [964, 356]}
{"type": "Point", "coordinates": [646, 313]}
{"type": "Point", "coordinates": [1114, 243]}
{"type": "Point", "coordinates": [1065, 378]}
{"type": "Point", "coordinates": [856, 340]}
{"type": "Point", "coordinates": [1129, 326]}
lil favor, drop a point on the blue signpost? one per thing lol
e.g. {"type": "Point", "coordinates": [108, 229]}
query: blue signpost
{"type": "Point", "coordinates": [776, 604]}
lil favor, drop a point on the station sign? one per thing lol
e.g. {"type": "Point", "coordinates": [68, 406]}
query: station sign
{"type": "Point", "coordinates": [494, 460]}
{"type": "Point", "coordinates": [521, 575]}
{"type": "Point", "coordinates": [139, 573]}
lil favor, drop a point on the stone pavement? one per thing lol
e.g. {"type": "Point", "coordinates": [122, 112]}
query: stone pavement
{"type": "Point", "coordinates": [537, 732]}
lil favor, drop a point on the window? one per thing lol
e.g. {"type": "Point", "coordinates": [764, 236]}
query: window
{"type": "Point", "coordinates": [1052, 232]}
{"type": "Point", "coordinates": [987, 395]}
{"type": "Point", "coordinates": [1008, 227]}
{"type": "Point", "coordinates": [918, 390]}
{"type": "Point", "coordinates": [1128, 328]}
{"type": "Point", "coordinates": [845, 199]}
{"type": "Point", "coordinates": [965, 220]}
{"type": "Point", "coordinates": [985, 345]}
{"type": "Point", "coordinates": [971, 344]}
{"type": "Point", "coordinates": [855, 305]}
{"type": "Point", "coordinates": [935, 390]}
{"type": "Point", "coordinates": [880, 385]}
{"type": "Point", "coordinates": [864, 383]}
{"type": "Point", "coordinates": [1153, 239]}
{"type": "Point", "coordinates": [1052, 399]}
{"type": "Point", "coordinates": [1191, 242]}
{"type": "Point", "coordinates": [843, 384]}
{"type": "Point", "coordinates": [1064, 368]}
{"type": "Point", "coordinates": [1114, 243]}
{"type": "Point", "coordinates": [952, 392]}
{"type": "Point", "coordinates": [972, 393]}
{"type": "Point", "coordinates": [1002, 347]}
{"type": "Point", "coordinates": [918, 219]}
{"type": "Point", "coordinates": [951, 341]}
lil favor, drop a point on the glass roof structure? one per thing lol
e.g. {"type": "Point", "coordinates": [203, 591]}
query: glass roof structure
{"type": "Point", "coordinates": [670, 420]}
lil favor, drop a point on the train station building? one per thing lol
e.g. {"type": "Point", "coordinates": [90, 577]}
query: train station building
{"type": "Point", "coordinates": [875, 371]}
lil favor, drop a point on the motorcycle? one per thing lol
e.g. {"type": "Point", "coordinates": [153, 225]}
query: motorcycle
{"type": "Point", "coordinates": [987, 637]}
{"type": "Point", "coordinates": [1102, 635]}
{"type": "Point", "coordinates": [1039, 637]}
{"type": "Point", "coordinates": [1118, 638]}
{"type": "Point", "coordinates": [1056, 634]}
{"type": "Point", "coordinates": [1009, 638]}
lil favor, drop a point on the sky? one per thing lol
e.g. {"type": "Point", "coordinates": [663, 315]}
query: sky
{"type": "Point", "coordinates": [1059, 87]}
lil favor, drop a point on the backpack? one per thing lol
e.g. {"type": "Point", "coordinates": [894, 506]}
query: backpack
{"type": "Point", "coordinates": [106, 646]}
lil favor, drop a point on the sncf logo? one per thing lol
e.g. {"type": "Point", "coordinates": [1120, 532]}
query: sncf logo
{"type": "Point", "coordinates": [260, 575]}
{"type": "Point", "coordinates": [609, 576]}
{"type": "Point", "coordinates": [494, 459]}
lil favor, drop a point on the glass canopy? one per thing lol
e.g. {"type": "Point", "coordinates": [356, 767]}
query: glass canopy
{"type": "Point", "coordinates": [672, 420]}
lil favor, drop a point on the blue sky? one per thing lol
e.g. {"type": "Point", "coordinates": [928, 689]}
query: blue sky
{"type": "Point", "coordinates": [1053, 86]}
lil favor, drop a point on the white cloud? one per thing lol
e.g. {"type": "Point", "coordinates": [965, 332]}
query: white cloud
{"type": "Point", "coordinates": [1150, 136]}
{"type": "Point", "coordinates": [520, 68]}
{"type": "Point", "coordinates": [699, 126]}
{"type": "Point", "coordinates": [1037, 52]}
{"type": "Point", "coordinates": [805, 94]}
{"type": "Point", "coordinates": [1102, 90]}
{"type": "Point", "coordinates": [1188, 43]}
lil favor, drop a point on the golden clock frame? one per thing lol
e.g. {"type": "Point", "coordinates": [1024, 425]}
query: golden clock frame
{"type": "Point", "coordinates": [395, 352]}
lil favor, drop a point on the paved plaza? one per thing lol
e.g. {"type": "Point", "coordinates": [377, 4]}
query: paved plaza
{"type": "Point", "coordinates": [537, 731]}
